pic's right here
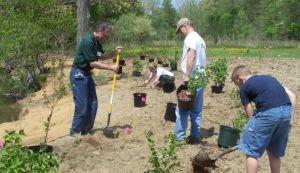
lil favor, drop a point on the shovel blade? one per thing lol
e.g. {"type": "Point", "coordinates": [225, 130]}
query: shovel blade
{"type": "Point", "coordinates": [204, 160]}
{"type": "Point", "coordinates": [109, 132]}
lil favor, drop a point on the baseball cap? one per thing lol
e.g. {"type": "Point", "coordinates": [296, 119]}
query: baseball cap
{"type": "Point", "coordinates": [181, 22]}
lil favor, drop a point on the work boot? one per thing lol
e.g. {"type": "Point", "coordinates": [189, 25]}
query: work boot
{"type": "Point", "coordinates": [90, 132]}
{"type": "Point", "coordinates": [193, 140]}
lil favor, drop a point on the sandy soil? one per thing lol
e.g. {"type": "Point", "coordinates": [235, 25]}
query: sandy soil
{"type": "Point", "coordinates": [129, 153]}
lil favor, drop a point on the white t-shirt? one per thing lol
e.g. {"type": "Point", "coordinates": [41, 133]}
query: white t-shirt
{"type": "Point", "coordinates": [160, 71]}
{"type": "Point", "coordinates": [193, 41]}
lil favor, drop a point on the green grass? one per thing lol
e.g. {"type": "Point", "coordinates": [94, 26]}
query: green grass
{"type": "Point", "coordinates": [224, 51]}
{"type": "Point", "coordinates": [254, 52]}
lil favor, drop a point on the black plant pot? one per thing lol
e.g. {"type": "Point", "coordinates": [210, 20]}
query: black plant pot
{"type": "Point", "coordinates": [151, 59]}
{"type": "Point", "coordinates": [228, 136]}
{"type": "Point", "coordinates": [173, 66]}
{"type": "Point", "coordinates": [119, 70]}
{"type": "Point", "coordinates": [170, 112]}
{"type": "Point", "coordinates": [165, 65]}
{"type": "Point", "coordinates": [37, 148]}
{"type": "Point", "coordinates": [185, 105]}
{"type": "Point", "coordinates": [139, 99]}
{"type": "Point", "coordinates": [217, 89]}
{"type": "Point", "coordinates": [121, 62]}
{"type": "Point", "coordinates": [136, 73]}
{"type": "Point", "coordinates": [142, 57]}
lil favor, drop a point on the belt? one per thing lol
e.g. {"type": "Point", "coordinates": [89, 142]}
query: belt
{"type": "Point", "coordinates": [82, 69]}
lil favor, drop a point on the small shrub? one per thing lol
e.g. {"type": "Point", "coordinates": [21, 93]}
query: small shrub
{"type": "Point", "coordinates": [240, 121]}
{"type": "Point", "coordinates": [163, 160]}
{"type": "Point", "coordinates": [20, 159]}
{"type": "Point", "coordinates": [235, 97]}
{"type": "Point", "coordinates": [198, 78]}
{"type": "Point", "coordinates": [137, 64]}
{"type": "Point", "coordinates": [173, 61]}
{"type": "Point", "coordinates": [218, 71]}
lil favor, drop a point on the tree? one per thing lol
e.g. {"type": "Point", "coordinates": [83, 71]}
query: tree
{"type": "Point", "coordinates": [131, 28]}
{"type": "Point", "coordinates": [164, 18]}
{"type": "Point", "coordinates": [29, 29]}
{"type": "Point", "coordinates": [83, 19]}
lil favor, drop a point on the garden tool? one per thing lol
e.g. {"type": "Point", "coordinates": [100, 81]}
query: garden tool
{"type": "Point", "coordinates": [108, 131]}
{"type": "Point", "coordinates": [204, 160]}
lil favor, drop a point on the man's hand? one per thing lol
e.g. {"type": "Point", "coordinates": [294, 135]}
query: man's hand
{"type": "Point", "coordinates": [186, 80]}
{"type": "Point", "coordinates": [114, 68]}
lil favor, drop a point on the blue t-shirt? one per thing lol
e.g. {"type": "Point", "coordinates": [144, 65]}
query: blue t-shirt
{"type": "Point", "coordinates": [265, 91]}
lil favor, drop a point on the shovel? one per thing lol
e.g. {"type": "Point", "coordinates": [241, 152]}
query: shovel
{"type": "Point", "coordinates": [204, 160]}
{"type": "Point", "coordinates": [109, 131]}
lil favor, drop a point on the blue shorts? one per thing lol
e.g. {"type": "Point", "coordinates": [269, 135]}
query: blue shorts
{"type": "Point", "coordinates": [267, 130]}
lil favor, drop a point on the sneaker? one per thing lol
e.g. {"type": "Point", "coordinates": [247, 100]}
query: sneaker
{"type": "Point", "coordinates": [181, 143]}
{"type": "Point", "coordinates": [75, 135]}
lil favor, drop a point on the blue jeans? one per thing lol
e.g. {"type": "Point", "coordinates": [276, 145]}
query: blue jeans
{"type": "Point", "coordinates": [85, 99]}
{"type": "Point", "coordinates": [195, 115]}
{"type": "Point", "coordinates": [267, 130]}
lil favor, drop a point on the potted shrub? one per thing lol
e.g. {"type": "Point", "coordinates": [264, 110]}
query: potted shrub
{"type": "Point", "coordinates": [173, 62]}
{"type": "Point", "coordinates": [228, 136]}
{"type": "Point", "coordinates": [240, 121]}
{"type": "Point", "coordinates": [137, 67]}
{"type": "Point", "coordinates": [151, 59]}
{"type": "Point", "coordinates": [159, 60]}
{"type": "Point", "coordinates": [121, 61]}
{"type": "Point", "coordinates": [186, 94]}
{"type": "Point", "coordinates": [165, 62]}
{"type": "Point", "coordinates": [143, 55]}
{"type": "Point", "coordinates": [218, 73]}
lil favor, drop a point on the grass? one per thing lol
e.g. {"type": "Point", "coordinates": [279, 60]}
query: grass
{"type": "Point", "coordinates": [260, 49]}
{"type": "Point", "coordinates": [254, 52]}
{"type": "Point", "coordinates": [224, 52]}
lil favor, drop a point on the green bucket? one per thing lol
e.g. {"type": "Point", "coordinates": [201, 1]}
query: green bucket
{"type": "Point", "coordinates": [228, 136]}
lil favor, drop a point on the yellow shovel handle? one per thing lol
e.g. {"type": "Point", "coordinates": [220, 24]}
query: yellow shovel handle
{"type": "Point", "coordinates": [113, 85]}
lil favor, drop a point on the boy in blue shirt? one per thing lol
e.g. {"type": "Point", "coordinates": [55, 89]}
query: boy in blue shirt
{"type": "Point", "coordinates": [268, 127]}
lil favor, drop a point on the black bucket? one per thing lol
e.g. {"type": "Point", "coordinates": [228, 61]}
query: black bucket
{"type": "Point", "coordinates": [151, 59]}
{"type": "Point", "coordinates": [121, 62]}
{"type": "Point", "coordinates": [170, 112]}
{"type": "Point", "coordinates": [217, 89]}
{"type": "Point", "coordinates": [119, 70]}
{"type": "Point", "coordinates": [169, 87]}
{"type": "Point", "coordinates": [228, 136]}
{"type": "Point", "coordinates": [184, 105]}
{"type": "Point", "coordinates": [142, 57]}
{"type": "Point", "coordinates": [139, 99]}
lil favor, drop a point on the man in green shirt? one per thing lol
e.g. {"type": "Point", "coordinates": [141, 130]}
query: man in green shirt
{"type": "Point", "coordinates": [88, 53]}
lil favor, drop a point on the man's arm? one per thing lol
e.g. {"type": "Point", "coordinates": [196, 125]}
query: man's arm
{"type": "Point", "coordinates": [100, 65]}
{"type": "Point", "coordinates": [249, 110]}
{"type": "Point", "coordinates": [292, 97]}
{"type": "Point", "coordinates": [190, 62]}
{"type": "Point", "coordinates": [108, 55]}
{"type": "Point", "coordinates": [111, 54]}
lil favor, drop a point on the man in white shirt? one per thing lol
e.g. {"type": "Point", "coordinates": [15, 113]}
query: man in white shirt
{"type": "Point", "coordinates": [193, 55]}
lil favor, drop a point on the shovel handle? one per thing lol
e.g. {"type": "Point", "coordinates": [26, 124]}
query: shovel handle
{"type": "Point", "coordinates": [228, 151]}
{"type": "Point", "coordinates": [113, 85]}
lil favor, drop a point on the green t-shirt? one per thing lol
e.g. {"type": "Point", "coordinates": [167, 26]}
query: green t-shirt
{"type": "Point", "coordinates": [88, 50]}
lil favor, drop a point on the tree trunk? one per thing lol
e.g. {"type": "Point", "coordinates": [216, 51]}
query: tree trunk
{"type": "Point", "coordinates": [83, 19]}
